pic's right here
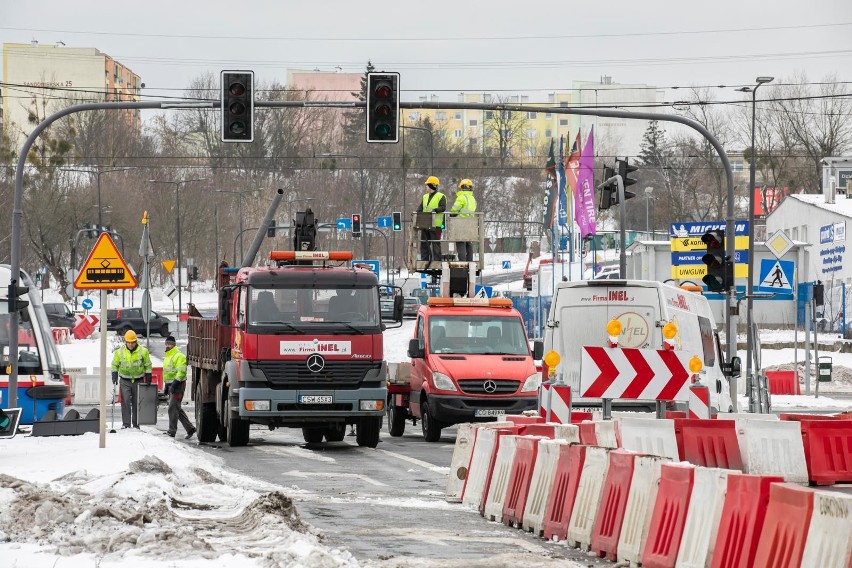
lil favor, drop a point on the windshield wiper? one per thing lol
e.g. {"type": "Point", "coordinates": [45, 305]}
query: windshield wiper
{"type": "Point", "coordinates": [289, 326]}
{"type": "Point", "coordinates": [347, 324]}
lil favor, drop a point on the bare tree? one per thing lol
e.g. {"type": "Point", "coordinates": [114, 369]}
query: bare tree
{"type": "Point", "coordinates": [504, 131]}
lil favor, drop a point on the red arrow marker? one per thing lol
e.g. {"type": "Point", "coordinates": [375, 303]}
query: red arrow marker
{"type": "Point", "coordinates": [679, 375]}
{"type": "Point", "coordinates": [608, 371]}
{"type": "Point", "coordinates": [644, 373]}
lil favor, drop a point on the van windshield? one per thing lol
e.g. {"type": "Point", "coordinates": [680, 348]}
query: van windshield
{"type": "Point", "coordinates": [477, 335]}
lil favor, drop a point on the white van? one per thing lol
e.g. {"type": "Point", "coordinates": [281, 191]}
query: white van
{"type": "Point", "coordinates": [581, 311]}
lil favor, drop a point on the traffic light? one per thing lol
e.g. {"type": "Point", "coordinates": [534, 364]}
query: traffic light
{"type": "Point", "coordinates": [270, 230]}
{"type": "Point", "coordinates": [193, 273]}
{"type": "Point", "coordinates": [15, 303]}
{"type": "Point", "coordinates": [237, 106]}
{"type": "Point", "coordinates": [397, 220]}
{"type": "Point", "coordinates": [624, 169]}
{"type": "Point", "coordinates": [356, 225]}
{"type": "Point", "coordinates": [719, 268]}
{"type": "Point", "coordinates": [609, 192]}
{"type": "Point", "coordinates": [383, 107]}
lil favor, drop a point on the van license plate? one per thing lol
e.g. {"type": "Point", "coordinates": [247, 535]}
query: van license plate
{"type": "Point", "coordinates": [316, 399]}
{"type": "Point", "coordinates": [486, 412]}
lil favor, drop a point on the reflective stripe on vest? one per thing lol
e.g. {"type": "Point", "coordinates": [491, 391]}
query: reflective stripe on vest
{"type": "Point", "coordinates": [131, 364]}
{"type": "Point", "coordinates": [174, 366]}
{"type": "Point", "coordinates": [465, 204]}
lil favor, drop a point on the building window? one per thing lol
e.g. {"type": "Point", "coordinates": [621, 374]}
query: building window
{"type": "Point", "coordinates": [530, 152]}
{"type": "Point", "coordinates": [548, 133]}
{"type": "Point", "coordinates": [531, 115]}
{"type": "Point", "coordinates": [737, 166]}
{"type": "Point", "coordinates": [441, 115]}
{"type": "Point", "coordinates": [458, 116]}
{"type": "Point", "coordinates": [547, 115]}
{"type": "Point", "coordinates": [563, 122]}
{"type": "Point", "coordinates": [795, 236]}
{"type": "Point", "coordinates": [563, 105]}
{"type": "Point", "coordinates": [531, 133]}
{"type": "Point", "coordinates": [472, 122]}
{"type": "Point", "coordinates": [415, 116]}
{"type": "Point", "coordinates": [473, 142]}
{"type": "Point", "coordinates": [457, 133]}
{"type": "Point", "coordinates": [804, 233]}
{"type": "Point", "coordinates": [489, 115]}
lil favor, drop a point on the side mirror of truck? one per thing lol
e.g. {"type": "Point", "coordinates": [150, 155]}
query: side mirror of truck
{"type": "Point", "coordinates": [414, 350]}
{"type": "Point", "coordinates": [733, 368]}
{"type": "Point", "coordinates": [398, 303]}
{"type": "Point", "coordinates": [225, 306]}
{"type": "Point", "coordinates": [538, 349]}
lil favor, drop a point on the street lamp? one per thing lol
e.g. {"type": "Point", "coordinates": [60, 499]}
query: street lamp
{"type": "Point", "coordinates": [177, 184]}
{"type": "Point", "coordinates": [363, 189]}
{"type": "Point", "coordinates": [750, 280]}
{"type": "Point", "coordinates": [240, 194]}
{"type": "Point", "coordinates": [648, 192]}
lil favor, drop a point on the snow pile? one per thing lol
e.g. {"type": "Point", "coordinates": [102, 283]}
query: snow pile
{"type": "Point", "coordinates": [145, 499]}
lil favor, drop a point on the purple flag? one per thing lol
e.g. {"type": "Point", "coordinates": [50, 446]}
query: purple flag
{"type": "Point", "coordinates": [585, 194]}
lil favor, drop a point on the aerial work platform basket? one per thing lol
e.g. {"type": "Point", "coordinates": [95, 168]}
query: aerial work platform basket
{"type": "Point", "coordinates": [456, 229]}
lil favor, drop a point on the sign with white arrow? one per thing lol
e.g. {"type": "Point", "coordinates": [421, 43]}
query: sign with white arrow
{"type": "Point", "coordinates": [647, 374]}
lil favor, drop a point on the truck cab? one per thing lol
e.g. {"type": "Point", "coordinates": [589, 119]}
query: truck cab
{"type": "Point", "coordinates": [581, 312]}
{"type": "Point", "coordinates": [470, 362]}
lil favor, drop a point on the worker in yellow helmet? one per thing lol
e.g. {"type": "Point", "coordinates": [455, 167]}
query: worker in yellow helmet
{"type": "Point", "coordinates": [464, 206]}
{"type": "Point", "coordinates": [132, 363]}
{"type": "Point", "coordinates": [433, 202]}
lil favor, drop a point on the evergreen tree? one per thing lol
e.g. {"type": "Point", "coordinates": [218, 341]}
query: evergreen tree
{"type": "Point", "coordinates": [653, 151]}
{"type": "Point", "coordinates": [354, 121]}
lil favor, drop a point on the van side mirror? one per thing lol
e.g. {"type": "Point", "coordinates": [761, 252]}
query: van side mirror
{"type": "Point", "coordinates": [414, 349]}
{"type": "Point", "coordinates": [398, 304]}
{"type": "Point", "coordinates": [538, 349]}
{"type": "Point", "coordinates": [225, 306]}
{"type": "Point", "coordinates": [733, 368]}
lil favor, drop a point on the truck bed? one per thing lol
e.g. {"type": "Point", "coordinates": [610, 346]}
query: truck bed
{"type": "Point", "coordinates": [206, 341]}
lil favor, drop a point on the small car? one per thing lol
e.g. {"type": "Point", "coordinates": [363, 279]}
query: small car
{"type": "Point", "coordinates": [386, 305]}
{"type": "Point", "coordinates": [409, 307]}
{"type": "Point", "coordinates": [125, 319]}
{"type": "Point", "coordinates": [59, 315]}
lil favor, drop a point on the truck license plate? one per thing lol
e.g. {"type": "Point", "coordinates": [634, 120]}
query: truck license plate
{"type": "Point", "coordinates": [487, 412]}
{"type": "Point", "coordinates": [315, 399]}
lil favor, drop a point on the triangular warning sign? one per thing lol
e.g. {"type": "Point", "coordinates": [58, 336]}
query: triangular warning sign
{"type": "Point", "coordinates": [775, 279]}
{"type": "Point", "coordinates": [105, 268]}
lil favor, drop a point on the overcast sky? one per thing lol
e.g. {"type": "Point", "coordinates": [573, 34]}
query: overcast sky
{"type": "Point", "coordinates": [444, 47]}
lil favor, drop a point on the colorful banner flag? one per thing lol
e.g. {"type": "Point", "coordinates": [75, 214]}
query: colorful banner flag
{"type": "Point", "coordinates": [584, 196]}
{"type": "Point", "coordinates": [572, 169]}
{"type": "Point", "coordinates": [560, 181]}
{"type": "Point", "coordinates": [550, 186]}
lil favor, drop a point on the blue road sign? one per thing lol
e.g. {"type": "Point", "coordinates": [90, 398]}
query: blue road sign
{"type": "Point", "coordinates": [507, 264]}
{"type": "Point", "coordinates": [373, 264]}
{"type": "Point", "coordinates": [87, 304]}
{"type": "Point", "coordinates": [344, 224]}
{"type": "Point", "coordinates": [776, 276]}
{"type": "Point", "coordinates": [483, 291]}
{"type": "Point", "coordinates": [386, 221]}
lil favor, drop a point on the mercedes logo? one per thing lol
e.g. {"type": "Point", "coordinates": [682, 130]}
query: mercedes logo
{"type": "Point", "coordinates": [489, 386]}
{"type": "Point", "coordinates": [316, 363]}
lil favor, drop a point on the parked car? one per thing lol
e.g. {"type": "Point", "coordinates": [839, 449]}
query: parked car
{"type": "Point", "coordinates": [387, 308]}
{"type": "Point", "coordinates": [409, 307]}
{"type": "Point", "coordinates": [59, 314]}
{"type": "Point", "coordinates": [125, 319]}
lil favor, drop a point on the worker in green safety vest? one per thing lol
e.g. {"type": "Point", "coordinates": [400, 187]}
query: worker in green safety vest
{"type": "Point", "coordinates": [174, 375]}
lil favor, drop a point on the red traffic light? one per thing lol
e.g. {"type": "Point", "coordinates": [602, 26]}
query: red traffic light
{"type": "Point", "coordinates": [356, 218]}
{"type": "Point", "coordinates": [237, 89]}
{"type": "Point", "coordinates": [383, 90]}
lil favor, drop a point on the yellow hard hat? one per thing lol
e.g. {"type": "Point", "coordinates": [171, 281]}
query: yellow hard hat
{"type": "Point", "coordinates": [432, 180]}
{"type": "Point", "coordinates": [465, 184]}
{"type": "Point", "coordinates": [130, 336]}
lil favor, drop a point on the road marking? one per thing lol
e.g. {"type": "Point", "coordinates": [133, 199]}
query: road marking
{"type": "Point", "coordinates": [306, 474]}
{"type": "Point", "coordinates": [415, 461]}
{"type": "Point", "coordinates": [296, 451]}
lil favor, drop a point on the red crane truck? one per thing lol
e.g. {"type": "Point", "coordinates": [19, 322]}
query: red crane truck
{"type": "Point", "coordinates": [295, 344]}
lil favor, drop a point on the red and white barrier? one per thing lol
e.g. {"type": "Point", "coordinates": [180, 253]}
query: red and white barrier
{"type": "Point", "coordinates": [828, 450]}
{"type": "Point", "coordinates": [560, 505]}
{"type": "Point", "coordinates": [785, 530]}
{"type": "Point", "coordinates": [669, 516]}
{"type": "Point", "coordinates": [649, 436]}
{"type": "Point", "coordinates": [588, 498]}
{"type": "Point", "coordinates": [829, 544]}
{"type": "Point", "coordinates": [520, 479]}
{"type": "Point", "coordinates": [772, 448]}
{"type": "Point", "coordinates": [541, 485]}
{"type": "Point", "coordinates": [493, 509]}
{"type": "Point", "coordinates": [699, 402]}
{"type": "Point", "coordinates": [568, 432]}
{"type": "Point", "coordinates": [465, 436]}
{"type": "Point", "coordinates": [710, 443]}
{"type": "Point", "coordinates": [640, 506]}
{"type": "Point", "coordinates": [481, 462]}
{"type": "Point", "coordinates": [606, 433]}
{"type": "Point", "coordinates": [610, 515]}
{"type": "Point", "coordinates": [560, 403]}
{"type": "Point", "coordinates": [702, 519]}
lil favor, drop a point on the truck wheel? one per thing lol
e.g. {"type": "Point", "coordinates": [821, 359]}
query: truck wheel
{"type": "Point", "coordinates": [396, 420]}
{"type": "Point", "coordinates": [335, 432]}
{"type": "Point", "coordinates": [238, 429]}
{"type": "Point", "coordinates": [313, 435]}
{"type": "Point", "coordinates": [431, 427]}
{"type": "Point", "coordinates": [367, 432]}
{"type": "Point", "coordinates": [205, 417]}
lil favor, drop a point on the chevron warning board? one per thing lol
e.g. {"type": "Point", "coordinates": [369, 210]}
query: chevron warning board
{"type": "Point", "coordinates": [560, 403]}
{"type": "Point", "coordinates": [646, 374]}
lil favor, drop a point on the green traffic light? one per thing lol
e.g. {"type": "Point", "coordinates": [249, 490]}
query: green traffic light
{"type": "Point", "coordinates": [383, 130]}
{"type": "Point", "coordinates": [237, 127]}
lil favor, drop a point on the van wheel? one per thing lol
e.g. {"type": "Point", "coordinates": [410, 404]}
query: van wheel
{"type": "Point", "coordinates": [313, 435]}
{"type": "Point", "coordinates": [238, 429]}
{"type": "Point", "coordinates": [367, 432]}
{"type": "Point", "coordinates": [431, 427]}
{"type": "Point", "coordinates": [206, 420]}
{"type": "Point", "coordinates": [335, 432]}
{"type": "Point", "coordinates": [396, 420]}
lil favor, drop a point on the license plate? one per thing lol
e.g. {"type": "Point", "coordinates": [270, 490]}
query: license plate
{"type": "Point", "coordinates": [315, 399]}
{"type": "Point", "coordinates": [487, 412]}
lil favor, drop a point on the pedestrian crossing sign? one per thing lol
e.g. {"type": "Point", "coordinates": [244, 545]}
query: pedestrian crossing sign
{"type": "Point", "coordinates": [776, 276]}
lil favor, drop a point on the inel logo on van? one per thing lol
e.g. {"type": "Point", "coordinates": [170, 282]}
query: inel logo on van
{"type": "Point", "coordinates": [679, 302]}
{"type": "Point", "coordinates": [618, 296]}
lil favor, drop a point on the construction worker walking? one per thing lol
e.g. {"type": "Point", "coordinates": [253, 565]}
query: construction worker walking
{"type": "Point", "coordinates": [464, 206]}
{"type": "Point", "coordinates": [174, 375]}
{"type": "Point", "coordinates": [132, 364]}
{"type": "Point", "coordinates": [433, 202]}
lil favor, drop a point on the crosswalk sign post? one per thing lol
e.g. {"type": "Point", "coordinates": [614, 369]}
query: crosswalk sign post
{"type": "Point", "coordinates": [776, 276]}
